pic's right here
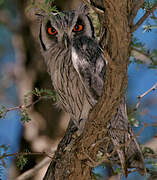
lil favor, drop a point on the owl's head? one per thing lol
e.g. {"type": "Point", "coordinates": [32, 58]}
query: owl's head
{"type": "Point", "coordinates": [61, 29]}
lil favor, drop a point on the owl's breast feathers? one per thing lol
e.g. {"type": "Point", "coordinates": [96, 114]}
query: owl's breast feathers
{"type": "Point", "coordinates": [73, 96]}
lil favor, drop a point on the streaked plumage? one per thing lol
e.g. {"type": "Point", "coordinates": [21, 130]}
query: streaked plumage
{"type": "Point", "coordinates": [77, 65]}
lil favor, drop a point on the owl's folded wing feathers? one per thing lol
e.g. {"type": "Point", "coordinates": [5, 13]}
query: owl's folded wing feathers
{"type": "Point", "coordinates": [91, 66]}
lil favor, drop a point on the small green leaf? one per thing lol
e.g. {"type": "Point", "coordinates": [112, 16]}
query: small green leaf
{"type": "Point", "coordinates": [148, 150]}
{"type": "Point", "coordinates": [24, 116]}
{"type": "Point", "coordinates": [147, 5]}
{"type": "Point", "coordinates": [118, 170]}
{"type": "Point", "coordinates": [134, 122]}
{"type": "Point", "coordinates": [3, 111]}
{"type": "Point", "coordinates": [21, 161]}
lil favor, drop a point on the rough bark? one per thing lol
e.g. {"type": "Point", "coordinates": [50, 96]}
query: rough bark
{"type": "Point", "coordinates": [75, 161]}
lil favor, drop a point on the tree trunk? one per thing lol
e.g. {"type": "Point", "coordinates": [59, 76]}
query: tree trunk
{"type": "Point", "coordinates": [76, 161]}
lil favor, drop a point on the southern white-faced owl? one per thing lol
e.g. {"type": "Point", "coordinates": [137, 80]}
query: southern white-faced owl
{"type": "Point", "coordinates": [77, 65]}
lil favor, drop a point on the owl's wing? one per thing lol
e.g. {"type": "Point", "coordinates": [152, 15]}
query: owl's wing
{"type": "Point", "coordinates": [89, 62]}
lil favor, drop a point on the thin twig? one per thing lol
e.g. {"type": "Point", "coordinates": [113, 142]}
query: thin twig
{"type": "Point", "coordinates": [144, 126]}
{"type": "Point", "coordinates": [141, 130]}
{"type": "Point", "coordinates": [93, 163]}
{"type": "Point", "coordinates": [25, 106]}
{"type": "Point", "coordinates": [144, 57]}
{"type": "Point", "coordinates": [144, 94]}
{"type": "Point", "coordinates": [30, 173]}
{"type": "Point", "coordinates": [143, 18]}
{"type": "Point", "coordinates": [105, 157]}
{"type": "Point", "coordinates": [25, 154]}
{"type": "Point", "coordinates": [29, 105]}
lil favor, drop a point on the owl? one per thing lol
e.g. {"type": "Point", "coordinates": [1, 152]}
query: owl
{"type": "Point", "coordinates": [77, 66]}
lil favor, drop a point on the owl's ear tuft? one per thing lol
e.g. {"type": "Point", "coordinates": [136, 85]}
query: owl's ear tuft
{"type": "Point", "coordinates": [83, 9]}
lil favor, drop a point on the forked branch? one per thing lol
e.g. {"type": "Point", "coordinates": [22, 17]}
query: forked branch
{"type": "Point", "coordinates": [136, 6]}
{"type": "Point", "coordinates": [143, 18]}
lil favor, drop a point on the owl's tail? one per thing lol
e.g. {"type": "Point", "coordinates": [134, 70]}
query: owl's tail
{"type": "Point", "coordinates": [123, 142]}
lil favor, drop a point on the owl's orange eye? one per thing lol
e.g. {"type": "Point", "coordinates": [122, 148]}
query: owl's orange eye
{"type": "Point", "coordinates": [51, 31]}
{"type": "Point", "coordinates": [78, 27]}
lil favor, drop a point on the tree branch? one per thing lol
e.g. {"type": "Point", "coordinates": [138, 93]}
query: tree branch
{"type": "Point", "coordinates": [30, 173]}
{"type": "Point", "coordinates": [144, 94]}
{"type": "Point", "coordinates": [144, 57]}
{"type": "Point", "coordinates": [143, 18]}
{"type": "Point", "coordinates": [136, 6]}
{"type": "Point", "coordinates": [25, 154]}
{"type": "Point", "coordinates": [4, 111]}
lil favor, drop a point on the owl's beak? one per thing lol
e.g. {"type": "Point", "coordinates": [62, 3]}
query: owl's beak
{"type": "Point", "coordinates": [66, 40]}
